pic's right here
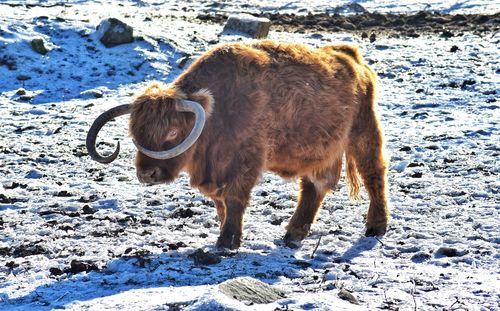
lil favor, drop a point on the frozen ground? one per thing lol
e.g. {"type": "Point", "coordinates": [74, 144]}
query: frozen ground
{"type": "Point", "coordinates": [76, 234]}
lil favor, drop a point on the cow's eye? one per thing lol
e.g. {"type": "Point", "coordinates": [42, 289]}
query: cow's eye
{"type": "Point", "coordinates": [172, 134]}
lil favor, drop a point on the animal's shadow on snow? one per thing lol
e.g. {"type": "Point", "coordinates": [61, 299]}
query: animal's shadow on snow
{"type": "Point", "coordinates": [177, 269]}
{"type": "Point", "coordinates": [362, 244]}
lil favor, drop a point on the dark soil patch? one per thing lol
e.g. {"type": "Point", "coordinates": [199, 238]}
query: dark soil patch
{"type": "Point", "coordinates": [8, 200]}
{"type": "Point", "coordinates": [77, 266]}
{"type": "Point", "coordinates": [183, 213]}
{"type": "Point", "coordinates": [446, 25]}
{"type": "Point", "coordinates": [203, 258]}
{"type": "Point", "coordinates": [27, 250]}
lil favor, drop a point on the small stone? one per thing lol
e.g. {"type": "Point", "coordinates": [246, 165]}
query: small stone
{"type": "Point", "coordinates": [347, 295]}
{"type": "Point", "coordinates": [447, 34]}
{"type": "Point", "coordinates": [417, 175]}
{"type": "Point", "coordinates": [38, 45]}
{"type": "Point", "coordinates": [55, 271]}
{"type": "Point", "coordinates": [256, 27]}
{"type": "Point", "coordinates": [348, 26]}
{"type": "Point", "coordinates": [21, 91]}
{"type": "Point", "coordinates": [113, 32]}
{"type": "Point", "coordinates": [63, 193]}
{"type": "Point", "coordinates": [23, 77]}
{"type": "Point", "coordinates": [88, 210]}
{"type": "Point", "coordinates": [93, 93]}
{"type": "Point", "coordinates": [251, 290]}
{"type": "Point", "coordinates": [373, 37]}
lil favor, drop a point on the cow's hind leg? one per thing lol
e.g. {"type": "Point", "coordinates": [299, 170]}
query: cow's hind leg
{"type": "Point", "coordinates": [221, 211]}
{"type": "Point", "coordinates": [366, 148]}
{"type": "Point", "coordinates": [312, 193]}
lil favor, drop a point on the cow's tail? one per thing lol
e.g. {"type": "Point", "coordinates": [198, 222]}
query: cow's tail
{"type": "Point", "coordinates": [352, 176]}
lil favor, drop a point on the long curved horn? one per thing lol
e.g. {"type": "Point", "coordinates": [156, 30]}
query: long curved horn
{"type": "Point", "coordinates": [184, 106]}
{"type": "Point", "coordinates": [104, 118]}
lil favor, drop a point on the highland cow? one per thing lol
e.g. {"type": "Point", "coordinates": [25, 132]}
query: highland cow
{"type": "Point", "coordinates": [243, 108]}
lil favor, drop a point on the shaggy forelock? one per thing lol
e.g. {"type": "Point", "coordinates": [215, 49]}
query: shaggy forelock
{"type": "Point", "coordinates": [149, 118]}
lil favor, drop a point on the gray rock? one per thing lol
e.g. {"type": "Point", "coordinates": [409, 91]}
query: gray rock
{"type": "Point", "coordinates": [251, 290]}
{"type": "Point", "coordinates": [92, 93]}
{"type": "Point", "coordinates": [347, 295]}
{"type": "Point", "coordinates": [256, 27]}
{"type": "Point", "coordinates": [38, 45]}
{"type": "Point", "coordinates": [348, 26]}
{"type": "Point", "coordinates": [113, 32]}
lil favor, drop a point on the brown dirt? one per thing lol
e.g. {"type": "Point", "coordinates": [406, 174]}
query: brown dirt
{"type": "Point", "coordinates": [411, 25]}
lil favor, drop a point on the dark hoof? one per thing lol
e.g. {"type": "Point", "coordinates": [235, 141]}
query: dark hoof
{"type": "Point", "coordinates": [291, 242]}
{"type": "Point", "coordinates": [375, 231]}
{"type": "Point", "coordinates": [231, 242]}
{"type": "Point", "coordinates": [294, 235]}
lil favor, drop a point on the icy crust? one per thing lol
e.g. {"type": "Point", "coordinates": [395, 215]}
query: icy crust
{"type": "Point", "coordinates": [76, 234]}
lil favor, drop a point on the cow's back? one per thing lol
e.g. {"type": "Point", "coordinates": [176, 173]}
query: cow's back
{"type": "Point", "coordinates": [299, 102]}
{"type": "Point", "coordinates": [312, 103]}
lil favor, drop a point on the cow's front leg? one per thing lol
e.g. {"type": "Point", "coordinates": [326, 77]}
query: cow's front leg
{"type": "Point", "coordinates": [232, 225]}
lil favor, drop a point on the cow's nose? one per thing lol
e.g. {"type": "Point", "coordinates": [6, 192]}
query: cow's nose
{"type": "Point", "coordinates": [149, 175]}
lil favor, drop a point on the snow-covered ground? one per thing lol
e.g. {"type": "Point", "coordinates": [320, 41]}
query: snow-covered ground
{"type": "Point", "coordinates": [76, 234]}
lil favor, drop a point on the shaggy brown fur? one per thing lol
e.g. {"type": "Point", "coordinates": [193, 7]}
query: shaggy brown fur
{"type": "Point", "coordinates": [287, 108]}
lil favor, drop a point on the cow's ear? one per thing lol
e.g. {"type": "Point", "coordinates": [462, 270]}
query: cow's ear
{"type": "Point", "coordinates": [205, 98]}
